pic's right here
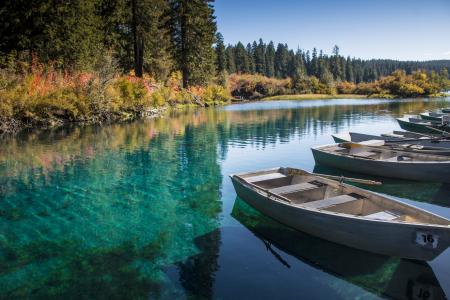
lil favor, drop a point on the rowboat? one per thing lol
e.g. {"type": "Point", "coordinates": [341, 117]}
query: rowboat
{"type": "Point", "coordinates": [420, 143]}
{"type": "Point", "coordinates": [397, 277]}
{"type": "Point", "coordinates": [344, 214]}
{"type": "Point", "coordinates": [377, 161]}
{"type": "Point", "coordinates": [423, 126]}
{"type": "Point", "coordinates": [433, 116]}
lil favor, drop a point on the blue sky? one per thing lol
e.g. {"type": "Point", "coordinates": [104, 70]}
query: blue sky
{"type": "Point", "coordinates": [397, 29]}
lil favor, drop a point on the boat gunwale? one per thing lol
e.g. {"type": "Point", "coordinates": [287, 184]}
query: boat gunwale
{"type": "Point", "coordinates": [279, 199]}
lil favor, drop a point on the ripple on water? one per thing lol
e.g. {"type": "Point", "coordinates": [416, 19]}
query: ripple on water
{"type": "Point", "coordinates": [140, 210]}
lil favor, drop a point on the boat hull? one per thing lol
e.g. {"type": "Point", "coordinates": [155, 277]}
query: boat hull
{"type": "Point", "coordinates": [420, 128]}
{"type": "Point", "coordinates": [423, 171]}
{"type": "Point", "coordinates": [377, 237]}
{"type": "Point", "coordinates": [430, 118]}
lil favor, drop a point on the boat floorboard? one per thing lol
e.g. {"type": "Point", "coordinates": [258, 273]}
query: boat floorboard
{"type": "Point", "coordinates": [293, 188]}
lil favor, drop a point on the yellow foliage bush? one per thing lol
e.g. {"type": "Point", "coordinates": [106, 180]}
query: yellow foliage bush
{"type": "Point", "coordinates": [216, 94]}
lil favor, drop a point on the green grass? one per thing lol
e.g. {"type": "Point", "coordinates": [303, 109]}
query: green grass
{"type": "Point", "coordinates": [315, 97]}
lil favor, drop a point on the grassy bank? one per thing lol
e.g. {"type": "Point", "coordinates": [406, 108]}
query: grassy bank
{"type": "Point", "coordinates": [315, 97]}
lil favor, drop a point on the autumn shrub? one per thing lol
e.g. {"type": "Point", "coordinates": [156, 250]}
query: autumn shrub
{"type": "Point", "coordinates": [346, 87]}
{"type": "Point", "coordinates": [161, 96]}
{"type": "Point", "coordinates": [368, 89]}
{"type": "Point", "coordinates": [257, 86]}
{"type": "Point", "coordinates": [216, 94]}
{"type": "Point", "coordinates": [133, 94]}
{"type": "Point", "coordinates": [413, 85]}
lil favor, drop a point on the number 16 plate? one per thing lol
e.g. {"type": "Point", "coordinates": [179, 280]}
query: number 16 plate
{"type": "Point", "coordinates": [427, 239]}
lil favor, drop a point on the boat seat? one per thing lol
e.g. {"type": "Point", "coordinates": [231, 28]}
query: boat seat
{"type": "Point", "coordinates": [264, 177]}
{"type": "Point", "coordinates": [287, 189]}
{"type": "Point", "coordinates": [383, 215]}
{"type": "Point", "coordinates": [327, 202]}
{"type": "Point", "coordinates": [365, 154]}
{"type": "Point", "coordinates": [373, 143]}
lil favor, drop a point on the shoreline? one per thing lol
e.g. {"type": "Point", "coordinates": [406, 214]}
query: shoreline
{"type": "Point", "coordinates": [314, 97]}
{"type": "Point", "coordinates": [14, 127]}
{"type": "Point", "coordinates": [345, 96]}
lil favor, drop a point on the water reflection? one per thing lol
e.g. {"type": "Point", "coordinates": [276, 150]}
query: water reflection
{"type": "Point", "coordinates": [380, 275]}
{"type": "Point", "coordinates": [138, 210]}
{"type": "Point", "coordinates": [104, 212]}
{"type": "Point", "coordinates": [52, 149]}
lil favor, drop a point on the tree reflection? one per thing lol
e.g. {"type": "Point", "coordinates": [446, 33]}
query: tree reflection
{"type": "Point", "coordinates": [100, 211]}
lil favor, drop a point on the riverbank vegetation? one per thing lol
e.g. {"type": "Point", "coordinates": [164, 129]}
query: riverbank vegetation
{"type": "Point", "coordinates": [396, 85]}
{"type": "Point", "coordinates": [100, 61]}
{"type": "Point", "coordinates": [42, 96]}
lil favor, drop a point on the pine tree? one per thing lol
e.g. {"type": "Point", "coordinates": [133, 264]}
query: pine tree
{"type": "Point", "coordinates": [314, 64]}
{"type": "Point", "coordinates": [260, 57]}
{"type": "Point", "coordinates": [230, 59]}
{"type": "Point", "coordinates": [193, 28]}
{"type": "Point", "coordinates": [335, 63]}
{"type": "Point", "coordinates": [281, 61]}
{"type": "Point", "coordinates": [307, 60]}
{"type": "Point", "coordinates": [221, 57]}
{"type": "Point", "coordinates": [157, 58]}
{"type": "Point", "coordinates": [241, 59]}
{"type": "Point", "coordinates": [270, 60]}
{"type": "Point", "coordinates": [349, 75]}
{"type": "Point", "coordinates": [250, 58]}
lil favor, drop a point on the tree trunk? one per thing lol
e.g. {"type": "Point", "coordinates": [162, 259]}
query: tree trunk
{"type": "Point", "coordinates": [184, 46]}
{"type": "Point", "coordinates": [138, 42]}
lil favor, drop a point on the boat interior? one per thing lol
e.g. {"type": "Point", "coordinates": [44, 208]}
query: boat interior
{"type": "Point", "coordinates": [313, 192]}
{"type": "Point", "coordinates": [433, 114]}
{"type": "Point", "coordinates": [422, 121]}
{"type": "Point", "coordinates": [405, 134]}
{"type": "Point", "coordinates": [375, 153]}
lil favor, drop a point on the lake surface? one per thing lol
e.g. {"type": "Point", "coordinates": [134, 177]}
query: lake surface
{"type": "Point", "coordinates": [146, 210]}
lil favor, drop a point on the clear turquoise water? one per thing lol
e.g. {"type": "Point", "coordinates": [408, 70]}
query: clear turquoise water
{"type": "Point", "coordinates": [146, 210]}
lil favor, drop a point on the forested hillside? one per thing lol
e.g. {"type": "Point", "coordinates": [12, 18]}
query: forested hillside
{"type": "Point", "coordinates": [282, 62]}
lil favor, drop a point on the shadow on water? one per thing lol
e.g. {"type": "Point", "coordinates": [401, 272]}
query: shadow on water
{"type": "Point", "coordinates": [434, 193]}
{"type": "Point", "coordinates": [383, 276]}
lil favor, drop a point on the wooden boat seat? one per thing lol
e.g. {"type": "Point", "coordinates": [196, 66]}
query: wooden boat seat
{"type": "Point", "coordinates": [287, 189]}
{"type": "Point", "coordinates": [327, 202]}
{"type": "Point", "coordinates": [365, 154]}
{"type": "Point", "coordinates": [265, 177]}
{"type": "Point", "coordinates": [383, 215]}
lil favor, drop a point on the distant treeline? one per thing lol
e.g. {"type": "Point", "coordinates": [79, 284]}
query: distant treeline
{"type": "Point", "coordinates": [282, 62]}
